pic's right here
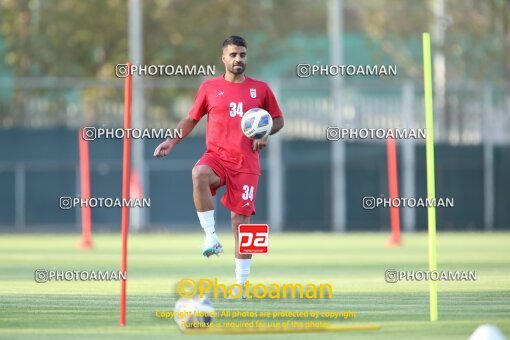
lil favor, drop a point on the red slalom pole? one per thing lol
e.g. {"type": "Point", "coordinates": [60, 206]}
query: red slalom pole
{"type": "Point", "coordinates": [86, 215]}
{"type": "Point", "coordinates": [394, 240]}
{"type": "Point", "coordinates": [126, 170]}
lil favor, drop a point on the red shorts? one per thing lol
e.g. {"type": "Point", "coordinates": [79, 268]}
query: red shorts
{"type": "Point", "coordinates": [241, 187]}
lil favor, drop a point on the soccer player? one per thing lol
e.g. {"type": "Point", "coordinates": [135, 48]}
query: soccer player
{"type": "Point", "coordinates": [231, 159]}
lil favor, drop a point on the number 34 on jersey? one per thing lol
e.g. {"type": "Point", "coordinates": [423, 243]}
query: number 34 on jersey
{"type": "Point", "coordinates": [236, 109]}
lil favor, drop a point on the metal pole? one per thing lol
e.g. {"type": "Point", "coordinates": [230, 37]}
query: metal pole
{"type": "Point", "coordinates": [135, 32]}
{"type": "Point", "coordinates": [488, 161]}
{"type": "Point", "coordinates": [275, 191]}
{"type": "Point", "coordinates": [19, 196]}
{"type": "Point", "coordinates": [408, 153]}
{"type": "Point", "coordinates": [439, 28]}
{"type": "Point", "coordinates": [335, 30]}
{"type": "Point", "coordinates": [77, 188]}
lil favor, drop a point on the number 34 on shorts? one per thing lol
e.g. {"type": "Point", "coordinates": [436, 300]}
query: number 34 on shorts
{"type": "Point", "coordinates": [247, 193]}
{"type": "Point", "coordinates": [241, 193]}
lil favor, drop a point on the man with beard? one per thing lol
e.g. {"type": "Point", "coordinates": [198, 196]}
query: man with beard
{"type": "Point", "coordinates": [231, 159]}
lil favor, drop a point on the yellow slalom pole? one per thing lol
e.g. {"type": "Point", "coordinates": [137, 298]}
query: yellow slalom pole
{"type": "Point", "coordinates": [277, 330]}
{"type": "Point", "coordinates": [431, 187]}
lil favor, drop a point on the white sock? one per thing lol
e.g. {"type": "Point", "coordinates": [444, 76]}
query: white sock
{"type": "Point", "coordinates": [242, 270]}
{"type": "Point", "coordinates": [207, 222]}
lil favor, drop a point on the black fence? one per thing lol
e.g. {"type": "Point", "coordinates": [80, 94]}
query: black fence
{"type": "Point", "coordinates": [37, 167]}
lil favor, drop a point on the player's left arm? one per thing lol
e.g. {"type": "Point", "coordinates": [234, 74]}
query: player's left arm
{"type": "Point", "coordinates": [259, 144]}
{"type": "Point", "coordinates": [271, 105]}
{"type": "Point", "coordinates": [277, 125]}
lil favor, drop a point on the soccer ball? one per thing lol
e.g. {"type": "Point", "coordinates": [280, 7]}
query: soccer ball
{"type": "Point", "coordinates": [256, 123]}
{"type": "Point", "coordinates": [195, 312]}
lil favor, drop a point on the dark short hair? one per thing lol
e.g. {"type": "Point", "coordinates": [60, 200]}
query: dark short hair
{"type": "Point", "coordinates": [234, 40]}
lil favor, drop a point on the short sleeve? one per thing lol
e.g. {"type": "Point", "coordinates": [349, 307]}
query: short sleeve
{"type": "Point", "coordinates": [199, 108]}
{"type": "Point", "coordinates": [271, 105]}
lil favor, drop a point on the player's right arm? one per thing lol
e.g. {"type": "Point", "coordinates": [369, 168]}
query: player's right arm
{"type": "Point", "coordinates": [186, 125]}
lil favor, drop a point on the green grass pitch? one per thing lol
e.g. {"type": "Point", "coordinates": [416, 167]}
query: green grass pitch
{"type": "Point", "coordinates": [354, 264]}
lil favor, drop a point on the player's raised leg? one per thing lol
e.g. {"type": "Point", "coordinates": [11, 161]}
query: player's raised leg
{"type": "Point", "coordinates": [243, 261]}
{"type": "Point", "coordinates": [203, 179]}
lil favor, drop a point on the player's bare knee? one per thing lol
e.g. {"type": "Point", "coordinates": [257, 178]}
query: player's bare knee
{"type": "Point", "coordinates": [201, 175]}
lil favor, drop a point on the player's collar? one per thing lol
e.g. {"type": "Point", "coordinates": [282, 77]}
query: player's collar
{"type": "Point", "coordinates": [231, 82]}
